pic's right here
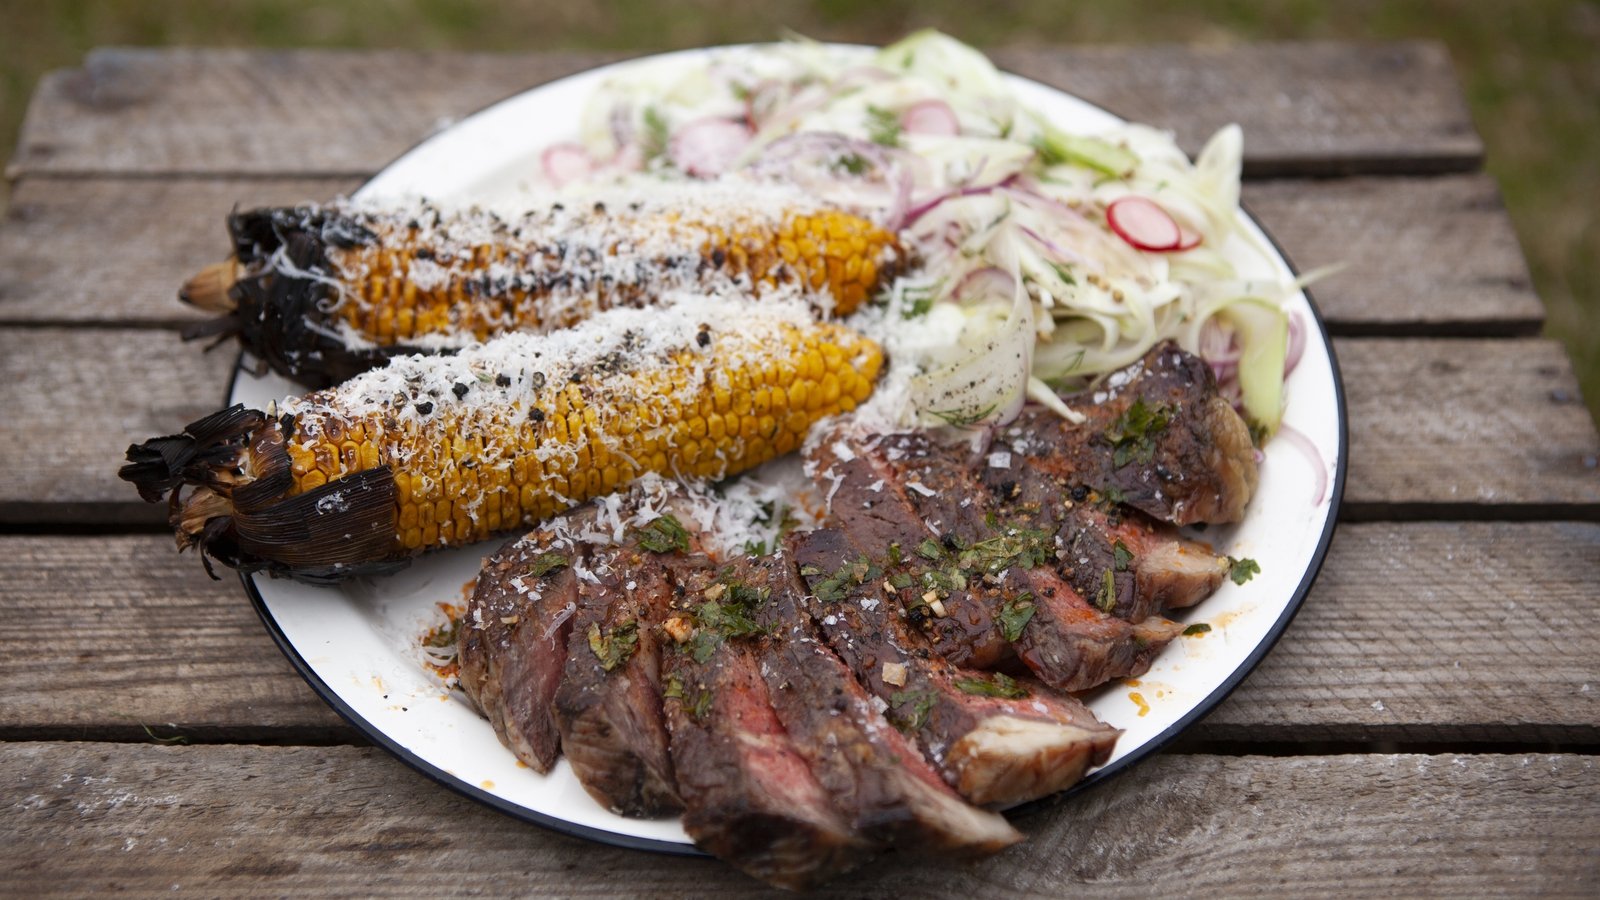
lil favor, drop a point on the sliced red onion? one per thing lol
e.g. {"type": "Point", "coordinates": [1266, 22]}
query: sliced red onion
{"type": "Point", "coordinates": [934, 117]}
{"type": "Point", "coordinates": [566, 163]}
{"type": "Point", "coordinates": [761, 101]}
{"type": "Point", "coordinates": [1062, 254]}
{"type": "Point", "coordinates": [927, 206]}
{"type": "Point", "coordinates": [1320, 467]}
{"type": "Point", "coordinates": [988, 281]}
{"type": "Point", "coordinates": [1297, 344]}
{"type": "Point", "coordinates": [708, 147]}
{"type": "Point", "coordinates": [1027, 192]}
{"type": "Point", "coordinates": [1144, 225]}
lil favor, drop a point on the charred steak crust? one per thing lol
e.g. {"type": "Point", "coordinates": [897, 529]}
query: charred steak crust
{"type": "Point", "coordinates": [750, 797]}
{"type": "Point", "coordinates": [513, 641]}
{"type": "Point", "coordinates": [1157, 437]}
{"type": "Point", "coordinates": [608, 706]}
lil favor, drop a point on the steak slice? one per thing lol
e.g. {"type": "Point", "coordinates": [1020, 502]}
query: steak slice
{"type": "Point", "coordinates": [986, 588]}
{"type": "Point", "coordinates": [995, 740]}
{"type": "Point", "coordinates": [608, 707]}
{"type": "Point", "coordinates": [1155, 568]}
{"type": "Point", "coordinates": [875, 775]}
{"type": "Point", "coordinates": [514, 637]}
{"type": "Point", "coordinates": [749, 796]}
{"type": "Point", "coordinates": [1157, 436]}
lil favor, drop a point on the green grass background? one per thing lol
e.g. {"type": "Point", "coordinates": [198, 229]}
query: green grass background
{"type": "Point", "coordinates": [1530, 68]}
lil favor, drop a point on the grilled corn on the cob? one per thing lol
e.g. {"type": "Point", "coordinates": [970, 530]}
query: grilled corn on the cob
{"type": "Point", "coordinates": [441, 451]}
{"type": "Point", "coordinates": [322, 293]}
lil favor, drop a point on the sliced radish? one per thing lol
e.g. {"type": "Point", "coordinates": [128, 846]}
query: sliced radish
{"type": "Point", "coordinates": [1189, 240]}
{"type": "Point", "coordinates": [1144, 225]}
{"type": "Point", "coordinates": [930, 117]}
{"type": "Point", "coordinates": [708, 147]}
{"type": "Point", "coordinates": [566, 163]}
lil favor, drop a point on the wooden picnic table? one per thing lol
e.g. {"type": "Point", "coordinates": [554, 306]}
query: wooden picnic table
{"type": "Point", "coordinates": [1426, 726]}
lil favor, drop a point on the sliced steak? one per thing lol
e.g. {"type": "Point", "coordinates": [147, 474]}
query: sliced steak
{"type": "Point", "coordinates": [875, 775]}
{"type": "Point", "coordinates": [968, 590]}
{"type": "Point", "coordinates": [749, 796]}
{"type": "Point", "coordinates": [608, 707]}
{"type": "Point", "coordinates": [1158, 437]}
{"type": "Point", "coordinates": [995, 740]}
{"type": "Point", "coordinates": [513, 642]}
{"type": "Point", "coordinates": [1153, 568]}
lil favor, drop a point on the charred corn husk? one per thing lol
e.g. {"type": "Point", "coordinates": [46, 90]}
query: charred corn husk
{"type": "Point", "coordinates": [445, 450]}
{"type": "Point", "coordinates": [320, 293]}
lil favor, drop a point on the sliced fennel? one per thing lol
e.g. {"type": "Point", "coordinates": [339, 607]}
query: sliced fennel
{"type": "Point", "coordinates": [1009, 192]}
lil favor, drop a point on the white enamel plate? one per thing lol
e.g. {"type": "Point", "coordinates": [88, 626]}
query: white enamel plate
{"type": "Point", "coordinates": [358, 645]}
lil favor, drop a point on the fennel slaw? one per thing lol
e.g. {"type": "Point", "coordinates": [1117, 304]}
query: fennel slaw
{"type": "Point", "coordinates": [1027, 288]}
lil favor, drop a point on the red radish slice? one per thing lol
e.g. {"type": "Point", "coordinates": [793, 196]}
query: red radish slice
{"type": "Point", "coordinates": [708, 147]}
{"type": "Point", "coordinates": [1189, 240]}
{"type": "Point", "coordinates": [1144, 225]}
{"type": "Point", "coordinates": [566, 163]}
{"type": "Point", "coordinates": [930, 117]}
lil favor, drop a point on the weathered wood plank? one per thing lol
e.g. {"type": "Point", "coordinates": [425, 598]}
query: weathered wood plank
{"type": "Point", "coordinates": [1467, 428]}
{"type": "Point", "coordinates": [1308, 108]}
{"type": "Point", "coordinates": [75, 399]}
{"type": "Point", "coordinates": [1464, 428]}
{"type": "Point", "coordinates": [350, 821]}
{"type": "Point", "coordinates": [1490, 644]}
{"type": "Point", "coordinates": [114, 250]}
{"type": "Point", "coordinates": [121, 638]}
{"type": "Point", "coordinates": [1422, 256]}
{"type": "Point", "coordinates": [1433, 633]}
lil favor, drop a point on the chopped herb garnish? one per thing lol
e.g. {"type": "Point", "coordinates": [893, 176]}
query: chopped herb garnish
{"type": "Point", "coordinates": [931, 549]}
{"type": "Point", "coordinates": [1132, 435]}
{"type": "Point", "coordinates": [673, 687]}
{"type": "Point", "coordinates": [444, 637]}
{"type": "Point", "coordinates": [894, 554]}
{"type": "Point", "coordinates": [921, 301]}
{"type": "Point", "coordinates": [853, 163]}
{"type": "Point", "coordinates": [1106, 599]}
{"type": "Point", "coordinates": [701, 705]}
{"type": "Point", "coordinates": [1123, 556]}
{"type": "Point", "coordinates": [1196, 628]}
{"type": "Point", "coordinates": [729, 616]}
{"type": "Point", "coordinates": [833, 588]}
{"type": "Point", "coordinates": [900, 581]}
{"type": "Point", "coordinates": [656, 133]}
{"type": "Point", "coordinates": [1025, 548]}
{"type": "Point", "coordinates": [1065, 274]}
{"type": "Point", "coordinates": [1001, 685]}
{"type": "Point", "coordinates": [613, 646]}
{"type": "Point", "coordinates": [920, 704]}
{"type": "Point", "coordinates": [1242, 570]}
{"type": "Point", "coordinates": [664, 535]}
{"type": "Point", "coordinates": [1112, 496]}
{"type": "Point", "coordinates": [962, 418]}
{"type": "Point", "coordinates": [547, 563]}
{"type": "Point", "coordinates": [883, 126]}
{"type": "Point", "coordinates": [1015, 614]}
